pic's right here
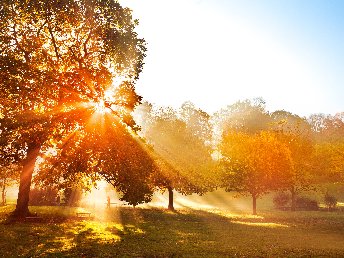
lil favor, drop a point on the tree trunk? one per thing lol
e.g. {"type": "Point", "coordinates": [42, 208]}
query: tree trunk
{"type": "Point", "coordinates": [3, 194]}
{"type": "Point", "coordinates": [293, 199]}
{"type": "Point", "coordinates": [22, 208]}
{"type": "Point", "coordinates": [254, 200]}
{"type": "Point", "coordinates": [170, 198]}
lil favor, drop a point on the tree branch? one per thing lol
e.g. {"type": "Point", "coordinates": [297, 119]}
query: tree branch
{"type": "Point", "coordinates": [75, 57]}
{"type": "Point", "coordinates": [40, 28]}
{"type": "Point", "coordinates": [52, 35]}
{"type": "Point", "coordinates": [26, 53]}
{"type": "Point", "coordinates": [85, 43]}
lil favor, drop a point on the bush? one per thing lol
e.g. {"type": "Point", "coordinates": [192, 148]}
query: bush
{"type": "Point", "coordinates": [330, 201]}
{"type": "Point", "coordinates": [281, 200]}
{"type": "Point", "coordinates": [305, 203]}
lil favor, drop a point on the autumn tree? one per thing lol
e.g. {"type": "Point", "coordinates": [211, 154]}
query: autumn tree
{"type": "Point", "coordinates": [61, 61]}
{"type": "Point", "coordinates": [243, 137]}
{"type": "Point", "coordinates": [328, 132]}
{"type": "Point", "coordinates": [178, 140]}
{"type": "Point", "coordinates": [254, 164]}
{"type": "Point", "coordinates": [295, 133]}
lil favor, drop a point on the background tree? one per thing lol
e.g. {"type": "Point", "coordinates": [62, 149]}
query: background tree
{"type": "Point", "coordinates": [179, 144]}
{"type": "Point", "coordinates": [43, 196]}
{"type": "Point", "coordinates": [8, 176]}
{"type": "Point", "coordinates": [254, 164]}
{"type": "Point", "coordinates": [72, 196]}
{"type": "Point", "coordinates": [328, 132]}
{"type": "Point", "coordinates": [59, 62]}
{"type": "Point", "coordinates": [295, 133]}
{"type": "Point", "coordinates": [167, 177]}
{"type": "Point", "coordinates": [237, 129]}
{"type": "Point", "coordinates": [248, 116]}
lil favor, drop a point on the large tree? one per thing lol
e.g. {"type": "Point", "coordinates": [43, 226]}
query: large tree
{"type": "Point", "coordinates": [60, 62]}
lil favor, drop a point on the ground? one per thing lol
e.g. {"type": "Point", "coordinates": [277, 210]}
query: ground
{"type": "Point", "coordinates": [155, 232]}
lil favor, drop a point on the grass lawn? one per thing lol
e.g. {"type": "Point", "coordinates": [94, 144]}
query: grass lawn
{"type": "Point", "coordinates": [128, 232]}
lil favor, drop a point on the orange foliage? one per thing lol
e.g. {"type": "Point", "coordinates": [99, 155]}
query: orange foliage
{"type": "Point", "coordinates": [255, 163]}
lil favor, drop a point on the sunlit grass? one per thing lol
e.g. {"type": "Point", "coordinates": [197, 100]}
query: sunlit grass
{"type": "Point", "coordinates": [156, 232]}
{"type": "Point", "coordinates": [261, 224]}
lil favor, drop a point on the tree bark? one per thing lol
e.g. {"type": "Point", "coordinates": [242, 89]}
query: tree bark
{"type": "Point", "coordinates": [170, 198]}
{"type": "Point", "coordinates": [22, 208]}
{"type": "Point", "coordinates": [293, 197]}
{"type": "Point", "coordinates": [254, 204]}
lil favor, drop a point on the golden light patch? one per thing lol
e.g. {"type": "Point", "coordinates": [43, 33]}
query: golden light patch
{"type": "Point", "coordinates": [261, 224]}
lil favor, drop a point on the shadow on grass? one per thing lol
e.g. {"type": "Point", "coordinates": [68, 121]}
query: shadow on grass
{"type": "Point", "coordinates": [128, 232]}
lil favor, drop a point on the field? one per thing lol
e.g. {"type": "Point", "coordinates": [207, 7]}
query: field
{"type": "Point", "coordinates": [155, 232]}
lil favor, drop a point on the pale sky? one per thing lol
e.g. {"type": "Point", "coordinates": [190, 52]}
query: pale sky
{"type": "Point", "coordinates": [215, 52]}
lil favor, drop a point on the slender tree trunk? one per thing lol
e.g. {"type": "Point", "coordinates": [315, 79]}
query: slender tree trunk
{"type": "Point", "coordinates": [254, 204]}
{"type": "Point", "coordinates": [22, 208]}
{"type": "Point", "coordinates": [170, 198]}
{"type": "Point", "coordinates": [293, 199]}
{"type": "Point", "coordinates": [3, 194]}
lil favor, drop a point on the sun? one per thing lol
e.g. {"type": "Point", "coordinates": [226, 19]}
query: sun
{"type": "Point", "coordinates": [100, 107]}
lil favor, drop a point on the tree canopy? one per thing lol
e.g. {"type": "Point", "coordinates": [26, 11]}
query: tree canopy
{"type": "Point", "coordinates": [61, 63]}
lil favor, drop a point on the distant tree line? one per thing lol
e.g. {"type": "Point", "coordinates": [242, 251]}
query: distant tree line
{"type": "Point", "coordinates": [244, 148]}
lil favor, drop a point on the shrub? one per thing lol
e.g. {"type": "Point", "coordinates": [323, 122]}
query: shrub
{"type": "Point", "coordinates": [330, 201]}
{"type": "Point", "coordinates": [306, 203]}
{"type": "Point", "coordinates": [281, 200]}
